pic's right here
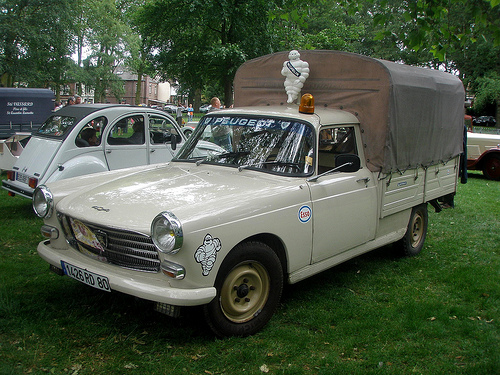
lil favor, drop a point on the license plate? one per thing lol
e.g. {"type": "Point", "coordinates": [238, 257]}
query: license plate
{"type": "Point", "coordinates": [90, 278]}
{"type": "Point", "coordinates": [24, 178]}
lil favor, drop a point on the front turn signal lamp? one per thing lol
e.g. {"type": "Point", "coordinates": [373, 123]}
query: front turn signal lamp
{"type": "Point", "coordinates": [306, 104]}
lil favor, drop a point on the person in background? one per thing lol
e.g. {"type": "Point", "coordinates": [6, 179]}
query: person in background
{"type": "Point", "coordinates": [78, 99]}
{"type": "Point", "coordinates": [57, 106]}
{"type": "Point", "coordinates": [215, 103]}
{"type": "Point", "coordinates": [190, 112]}
{"type": "Point", "coordinates": [89, 136]}
{"type": "Point", "coordinates": [71, 101]}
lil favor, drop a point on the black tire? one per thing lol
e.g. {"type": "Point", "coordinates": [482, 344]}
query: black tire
{"type": "Point", "coordinates": [491, 167]}
{"type": "Point", "coordinates": [413, 241]}
{"type": "Point", "coordinates": [249, 286]}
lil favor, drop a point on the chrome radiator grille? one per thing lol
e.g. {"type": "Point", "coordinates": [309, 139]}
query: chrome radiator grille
{"type": "Point", "coordinates": [123, 248]}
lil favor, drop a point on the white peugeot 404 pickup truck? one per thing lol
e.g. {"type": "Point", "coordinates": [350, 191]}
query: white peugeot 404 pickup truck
{"type": "Point", "coordinates": [288, 190]}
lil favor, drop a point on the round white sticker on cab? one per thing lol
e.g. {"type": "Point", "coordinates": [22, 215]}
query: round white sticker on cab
{"type": "Point", "coordinates": [305, 214]}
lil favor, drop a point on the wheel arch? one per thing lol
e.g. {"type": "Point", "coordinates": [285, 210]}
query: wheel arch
{"type": "Point", "coordinates": [275, 243]}
{"type": "Point", "coordinates": [78, 166]}
{"type": "Point", "coordinates": [478, 163]}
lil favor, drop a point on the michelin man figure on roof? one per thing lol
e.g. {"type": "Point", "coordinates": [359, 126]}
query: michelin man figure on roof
{"type": "Point", "coordinates": [296, 72]}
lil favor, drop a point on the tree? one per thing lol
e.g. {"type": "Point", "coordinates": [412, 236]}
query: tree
{"type": "Point", "coordinates": [140, 48]}
{"type": "Point", "coordinates": [318, 24]}
{"type": "Point", "coordinates": [203, 42]}
{"type": "Point", "coordinates": [488, 92]}
{"type": "Point", "coordinates": [107, 42]}
{"type": "Point", "coordinates": [34, 42]}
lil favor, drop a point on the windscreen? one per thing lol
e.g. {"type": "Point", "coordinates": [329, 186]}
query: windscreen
{"type": "Point", "coordinates": [275, 145]}
{"type": "Point", "coordinates": [56, 126]}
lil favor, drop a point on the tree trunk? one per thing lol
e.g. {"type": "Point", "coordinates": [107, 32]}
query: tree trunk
{"type": "Point", "coordinates": [138, 88]}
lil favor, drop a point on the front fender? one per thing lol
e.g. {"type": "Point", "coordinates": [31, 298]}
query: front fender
{"type": "Point", "coordinates": [477, 163]}
{"type": "Point", "coordinates": [78, 166]}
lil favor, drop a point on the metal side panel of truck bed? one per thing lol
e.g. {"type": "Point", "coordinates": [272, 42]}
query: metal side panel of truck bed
{"type": "Point", "coordinates": [406, 189]}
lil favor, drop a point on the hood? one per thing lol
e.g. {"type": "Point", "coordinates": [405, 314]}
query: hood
{"type": "Point", "coordinates": [37, 156]}
{"type": "Point", "coordinates": [205, 192]}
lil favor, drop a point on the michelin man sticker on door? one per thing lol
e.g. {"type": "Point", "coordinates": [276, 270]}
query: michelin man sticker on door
{"type": "Point", "coordinates": [206, 254]}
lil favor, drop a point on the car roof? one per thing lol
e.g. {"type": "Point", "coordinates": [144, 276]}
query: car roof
{"type": "Point", "coordinates": [80, 111]}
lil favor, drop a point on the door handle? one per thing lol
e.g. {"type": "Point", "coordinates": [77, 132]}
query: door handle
{"type": "Point", "coordinates": [365, 180]}
{"type": "Point", "coordinates": [108, 151]}
{"type": "Point", "coordinates": [153, 150]}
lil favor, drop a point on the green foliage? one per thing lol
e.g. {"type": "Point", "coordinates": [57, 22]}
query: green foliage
{"type": "Point", "coordinates": [440, 27]}
{"type": "Point", "coordinates": [487, 92]}
{"type": "Point", "coordinates": [321, 24]}
{"type": "Point", "coordinates": [203, 42]}
{"type": "Point", "coordinates": [34, 42]}
{"type": "Point", "coordinates": [198, 45]}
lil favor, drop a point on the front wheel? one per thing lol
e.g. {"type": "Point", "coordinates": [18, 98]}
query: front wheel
{"type": "Point", "coordinates": [249, 286]}
{"type": "Point", "coordinates": [491, 167]}
{"type": "Point", "coordinates": [413, 241]}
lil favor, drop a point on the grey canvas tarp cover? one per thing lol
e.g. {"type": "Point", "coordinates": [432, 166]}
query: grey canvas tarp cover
{"type": "Point", "coordinates": [409, 116]}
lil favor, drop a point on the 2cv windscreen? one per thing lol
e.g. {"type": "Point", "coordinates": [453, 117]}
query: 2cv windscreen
{"type": "Point", "coordinates": [275, 145]}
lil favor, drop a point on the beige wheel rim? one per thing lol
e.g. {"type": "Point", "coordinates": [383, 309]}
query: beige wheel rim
{"type": "Point", "coordinates": [417, 230]}
{"type": "Point", "coordinates": [245, 292]}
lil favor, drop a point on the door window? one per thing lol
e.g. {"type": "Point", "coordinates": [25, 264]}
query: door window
{"type": "Point", "coordinates": [333, 142]}
{"type": "Point", "coordinates": [128, 131]}
{"type": "Point", "coordinates": [161, 129]}
{"type": "Point", "coordinates": [90, 135]}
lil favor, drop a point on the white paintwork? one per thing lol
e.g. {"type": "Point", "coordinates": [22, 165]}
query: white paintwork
{"type": "Point", "coordinates": [49, 159]}
{"type": "Point", "coordinates": [478, 143]}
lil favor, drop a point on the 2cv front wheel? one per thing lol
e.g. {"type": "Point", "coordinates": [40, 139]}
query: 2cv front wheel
{"type": "Point", "coordinates": [249, 286]}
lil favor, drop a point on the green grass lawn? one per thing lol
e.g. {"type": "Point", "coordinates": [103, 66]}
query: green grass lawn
{"type": "Point", "coordinates": [437, 313]}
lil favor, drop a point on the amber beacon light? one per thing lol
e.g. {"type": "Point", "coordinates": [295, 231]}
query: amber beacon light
{"type": "Point", "coordinates": [306, 104]}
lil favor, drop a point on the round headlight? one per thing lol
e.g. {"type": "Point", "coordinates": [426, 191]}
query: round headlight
{"type": "Point", "coordinates": [43, 202]}
{"type": "Point", "coordinates": [166, 232]}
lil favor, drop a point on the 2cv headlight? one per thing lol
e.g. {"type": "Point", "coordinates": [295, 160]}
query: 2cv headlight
{"type": "Point", "coordinates": [43, 202]}
{"type": "Point", "coordinates": [166, 232]}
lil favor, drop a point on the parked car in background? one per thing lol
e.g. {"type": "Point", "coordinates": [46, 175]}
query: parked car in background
{"type": "Point", "coordinates": [484, 121]}
{"type": "Point", "coordinates": [483, 153]}
{"type": "Point", "coordinates": [89, 138]}
{"type": "Point", "coordinates": [205, 108]}
{"type": "Point", "coordinates": [170, 108]}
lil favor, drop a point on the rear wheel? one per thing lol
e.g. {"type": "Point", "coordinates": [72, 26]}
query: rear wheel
{"type": "Point", "coordinates": [249, 286]}
{"type": "Point", "coordinates": [413, 241]}
{"type": "Point", "coordinates": [491, 167]}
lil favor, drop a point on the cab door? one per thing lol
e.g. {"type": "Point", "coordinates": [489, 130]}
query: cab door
{"type": "Point", "coordinates": [344, 204]}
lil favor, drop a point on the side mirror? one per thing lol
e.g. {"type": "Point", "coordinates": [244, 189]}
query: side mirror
{"type": "Point", "coordinates": [173, 142]}
{"type": "Point", "coordinates": [347, 163]}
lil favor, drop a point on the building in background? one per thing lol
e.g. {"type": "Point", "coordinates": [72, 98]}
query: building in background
{"type": "Point", "coordinates": [153, 92]}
